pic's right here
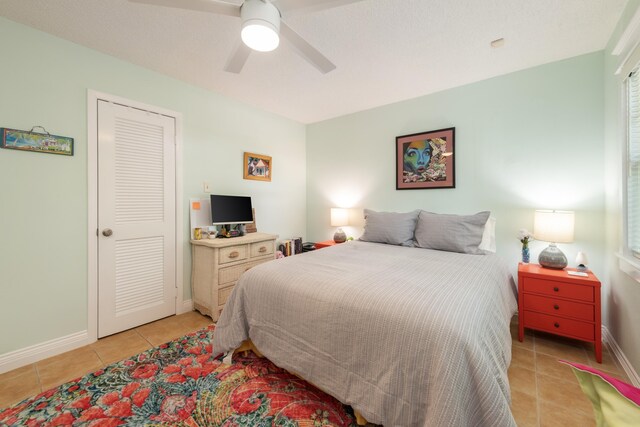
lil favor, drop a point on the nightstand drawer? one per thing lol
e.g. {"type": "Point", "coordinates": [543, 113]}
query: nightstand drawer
{"type": "Point", "coordinates": [261, 249]}
{"type": "Point", "coordinates": [559, 307]}
{"type": "Point", "coordinates": [233, 253]}
{"type": "Point", "coordinates": [559, 289]}
{"type": "Point", "coordinates": [559, 325]}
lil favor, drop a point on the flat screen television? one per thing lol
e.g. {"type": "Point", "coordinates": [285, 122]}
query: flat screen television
{"type": "Point", "coordinates": [231, 210]}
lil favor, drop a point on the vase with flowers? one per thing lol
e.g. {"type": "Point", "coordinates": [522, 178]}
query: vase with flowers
{"type": "Point", "coordinates": [525, 237]}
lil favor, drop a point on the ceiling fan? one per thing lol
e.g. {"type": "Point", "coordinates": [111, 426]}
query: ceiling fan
{"type": "Point", "coordinates": [262, 26]}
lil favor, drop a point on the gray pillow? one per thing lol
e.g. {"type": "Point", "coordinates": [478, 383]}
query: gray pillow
{"type": "Point", "coordinates": [389, 227]}
{"type": "Point", "coordinates": [453, 233]}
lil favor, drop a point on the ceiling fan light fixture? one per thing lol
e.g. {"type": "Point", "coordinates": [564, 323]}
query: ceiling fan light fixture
{"type": "Point", "coordinates": [260, 25]}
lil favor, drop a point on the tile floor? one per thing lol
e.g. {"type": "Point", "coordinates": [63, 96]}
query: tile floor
{"type": "Point", "coordinates": [544, 392]}
{"type": "Point", "coordinates": [32, 379]}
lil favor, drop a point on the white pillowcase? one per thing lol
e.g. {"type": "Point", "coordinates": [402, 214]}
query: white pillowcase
{"type": "Point", "coordinates": [488, 242]}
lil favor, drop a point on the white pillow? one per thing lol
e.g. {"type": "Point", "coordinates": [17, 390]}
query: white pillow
{"type": "Point", "coordinates": [488, 242]}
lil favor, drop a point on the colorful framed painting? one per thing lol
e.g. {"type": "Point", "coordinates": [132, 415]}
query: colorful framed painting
{"type": "Point", "coordinates": [426, 160]}
{"type": "Point", "coordinates": [257, 167]}
{"type": "Point", "coordinates": [39, 142]}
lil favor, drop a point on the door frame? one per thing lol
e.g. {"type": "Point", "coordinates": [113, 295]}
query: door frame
{"type": "Point", "coordinates": [93, 97]}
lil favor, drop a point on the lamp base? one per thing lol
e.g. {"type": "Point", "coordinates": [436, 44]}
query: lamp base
{"type": "Point", "coordinates": [340, 236]}
{"type": "Point", "coordinates": [582, 267]}
{"type": "Point", "coordinates": [552, 257]}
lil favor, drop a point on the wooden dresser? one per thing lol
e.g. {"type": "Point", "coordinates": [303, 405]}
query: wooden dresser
{"type": "Point", "coordinates": [554, 301]}
{"type": "Point", "coordinates": [216, 266]}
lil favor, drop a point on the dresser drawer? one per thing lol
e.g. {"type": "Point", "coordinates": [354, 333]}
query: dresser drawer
{"type": "Point", "coordinates": [261, 248]}
{"type": "Point", "coordinates": [223, 294]}
{"type": "Point", "coordinates": [558, 307]}
{"type": "Point", "coordinates": [559, 325]}
{"type": "Point", "coordinates": [558, 289]}
{"type": "Point", "coordinates": [233, 253]}
{"type": "Point", "coordinates": [227, 275]}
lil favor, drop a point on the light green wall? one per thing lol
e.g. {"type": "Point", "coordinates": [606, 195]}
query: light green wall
{"type": "Point", "coordinates": [43, 198]}
{"type": "Point", "coordinates": [623, 293]}
{"type": "Point", "coordinates": [527, 140]}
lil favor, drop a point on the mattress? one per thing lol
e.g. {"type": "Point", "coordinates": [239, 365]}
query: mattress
{"type": "Point", "coordinates": [406, 336]}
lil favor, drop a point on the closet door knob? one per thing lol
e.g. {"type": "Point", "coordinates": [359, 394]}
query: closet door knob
{"type": "Point", "coordinates": [107, 232]}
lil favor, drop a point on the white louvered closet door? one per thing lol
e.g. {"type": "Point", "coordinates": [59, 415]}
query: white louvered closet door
{"type": "Point", "coordinates": [136, 217]}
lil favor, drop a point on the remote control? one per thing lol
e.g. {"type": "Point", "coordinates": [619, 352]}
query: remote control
{"type": "Point", "coordinates": [577, 273]}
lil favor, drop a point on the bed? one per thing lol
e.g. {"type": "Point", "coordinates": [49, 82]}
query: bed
{"type": "Point", "coordinates": [406, 336]}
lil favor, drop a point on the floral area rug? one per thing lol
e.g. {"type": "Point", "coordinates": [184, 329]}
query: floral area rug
{"type": "Point", "coordinates": [182, 383]}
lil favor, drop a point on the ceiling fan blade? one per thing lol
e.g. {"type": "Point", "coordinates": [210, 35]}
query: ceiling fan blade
{"type": "Point", "coordinates": [211, 6]}
{"type": "Point", "coordinates": [238, 58]}
{"type": "Point", "coordinates": [304, 49]}
{"type": "Point", "coordinates": [291, 6]}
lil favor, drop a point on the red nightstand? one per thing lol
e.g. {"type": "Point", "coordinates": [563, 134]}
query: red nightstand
{"type": "Point", "coordinates": [555, 302]}
{"type": "Point", "coordinates": [325, 244]}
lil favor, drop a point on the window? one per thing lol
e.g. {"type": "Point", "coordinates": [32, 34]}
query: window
{"type": "Point", "coordinates": [632, 208]}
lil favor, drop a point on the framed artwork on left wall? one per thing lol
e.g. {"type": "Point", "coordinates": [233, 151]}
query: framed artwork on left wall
{"type": "Point", "coordinates": [426, 160]}
{"type": "Point", "coordinates": [28, 140]}
{"type": "Point", "coordinates": [257, 167]}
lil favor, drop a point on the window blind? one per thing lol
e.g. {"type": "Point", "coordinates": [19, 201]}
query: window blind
{"type": "Point", "coordinates": [633, 162]}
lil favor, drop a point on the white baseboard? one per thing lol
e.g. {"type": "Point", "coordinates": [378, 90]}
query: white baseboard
{"type": "Point", "coordinates": [187, 306]}
{"type": "Point", "coordinates": [619, 355]}
{"type": "Point", "coordinates": [24, 356]}
{"type": "Point", "coordinates": [34, 353]}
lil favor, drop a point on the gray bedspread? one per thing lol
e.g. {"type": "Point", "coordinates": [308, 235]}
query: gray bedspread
{"type": "Point", "coordinates": [407, 336]}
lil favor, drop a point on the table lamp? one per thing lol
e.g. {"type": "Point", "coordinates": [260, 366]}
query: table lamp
{"type": "Point", "coordinates": [339, 218]}
{"type": "Point", "coordinates": [553, 227]}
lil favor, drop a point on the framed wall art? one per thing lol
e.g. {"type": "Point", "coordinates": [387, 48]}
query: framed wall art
{"type": "Point", "coordinates": [426, 160]}
{"type": "Point", "coordinates": [257, 167]}
{"type": "Point", "coordinates": [39, 142]}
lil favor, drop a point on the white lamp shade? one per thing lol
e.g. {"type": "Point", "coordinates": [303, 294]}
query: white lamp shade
{"type": "Point", "coordinates": [339, 217]}
{"type": "Point", "coordinates": [553, 226]}
{"type": "Point", "coordinates": [260, 25]}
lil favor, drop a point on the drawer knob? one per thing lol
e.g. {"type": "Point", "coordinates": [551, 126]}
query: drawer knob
{"type": "Point", "coordinates": [262, 249]}
{"type": "Point", "coordinates": [557, 325]}
{"type": "Point", "coordinates": [234, 254]}
{"type": "Point", "coordinates": [556, 306]}
{"type": "Point", "coordinates": [556, 289]}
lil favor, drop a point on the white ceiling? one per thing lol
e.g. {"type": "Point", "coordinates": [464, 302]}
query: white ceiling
{"type": "Point", "coordinates": [385, 50]}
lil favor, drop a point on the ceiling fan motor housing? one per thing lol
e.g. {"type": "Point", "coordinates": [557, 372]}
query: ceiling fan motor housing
{"type": "Point", "coordinates": [260, 25]}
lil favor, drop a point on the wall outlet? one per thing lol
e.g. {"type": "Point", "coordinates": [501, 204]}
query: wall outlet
{"type": "Point", "coordinates": [205, 187]}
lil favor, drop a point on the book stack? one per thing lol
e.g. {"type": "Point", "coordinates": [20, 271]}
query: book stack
{"type": "Point", "coordinates": [291, 246]}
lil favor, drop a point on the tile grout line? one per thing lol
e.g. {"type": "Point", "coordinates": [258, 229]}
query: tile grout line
{"type": "Point", "coordinates": [143, 337]}
{"type": "Point", "coordinates": [35, 366]}
{"type": "Point", "coordinates": [535, 368]}
{"type": "Point", "coordinates": [102, 364]}
{"type": "Point", "coordinates": [538, 398]}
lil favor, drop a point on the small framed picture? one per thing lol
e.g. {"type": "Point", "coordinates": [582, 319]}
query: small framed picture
{"type": "Point", "coordinates": [257, 167]}
{"type": "Point", "coordinates": [426, 160]}
{"type": "Point", "coordinates": [38, 142]}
